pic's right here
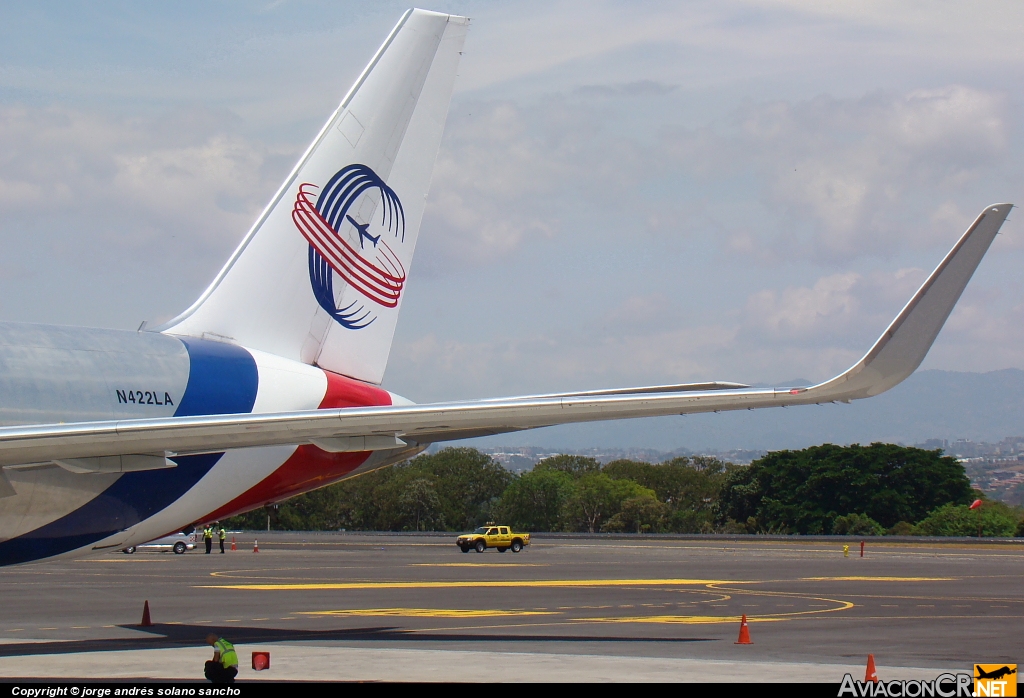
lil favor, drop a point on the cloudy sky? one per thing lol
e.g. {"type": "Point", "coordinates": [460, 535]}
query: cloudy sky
{"type": "Point", "coordinates": [627, 193]}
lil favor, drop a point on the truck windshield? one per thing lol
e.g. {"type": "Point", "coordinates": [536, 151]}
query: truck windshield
{"type": "Point", "coordinates": [481, 530]}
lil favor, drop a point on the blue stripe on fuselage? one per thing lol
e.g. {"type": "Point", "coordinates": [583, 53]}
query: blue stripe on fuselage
{"type": "Point", "coordinates": [222, 379]}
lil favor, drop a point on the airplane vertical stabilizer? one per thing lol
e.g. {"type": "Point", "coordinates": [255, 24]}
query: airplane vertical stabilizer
{"type": "Point", "coordinates": [321, 275]}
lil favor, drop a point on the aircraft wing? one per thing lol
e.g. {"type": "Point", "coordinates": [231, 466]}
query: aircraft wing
{"type": "Point", "coordinates": [144, 443]}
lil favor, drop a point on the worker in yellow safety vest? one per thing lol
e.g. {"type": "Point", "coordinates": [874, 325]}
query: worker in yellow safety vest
{"type": "Point", "coordinates": [221, 534]}
{"type": "Point", "coordinates": [208, 538]}
{"type": "Point", "coordinates": [223, 668]}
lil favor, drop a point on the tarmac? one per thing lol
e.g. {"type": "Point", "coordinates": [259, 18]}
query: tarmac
{"type": "Point", "coordinates": [366, 607]}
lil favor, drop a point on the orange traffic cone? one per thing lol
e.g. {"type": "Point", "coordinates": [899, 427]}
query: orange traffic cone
{"type": "Point", "coordinates": [744, 638]}
{"type": "Point", "coordinates": [255, 546]}
{"type": "Point", "coordinates": [146, 622]}
{"type": "Point", "coordinates": [233, 546]}
{"type": "Point", "coordinates": [871, 674]}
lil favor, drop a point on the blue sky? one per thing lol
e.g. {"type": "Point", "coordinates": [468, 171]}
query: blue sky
{"type": "Point", "coordinates": [627, 193]}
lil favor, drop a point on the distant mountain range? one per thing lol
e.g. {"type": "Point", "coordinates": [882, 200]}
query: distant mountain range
{"type": "Point", "coordinates": [928, 405]}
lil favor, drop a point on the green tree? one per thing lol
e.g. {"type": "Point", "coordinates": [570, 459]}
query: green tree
{"type": "Point", "coordinates": [996, 519]}
{"type": "Point", "coordinates": [535, 501]}
{"type": "Point", "coordinates": [689, 487]}
{"type": "Point", "coordinates": [857, 525]}
{"type": "Point", "coordinates": [805, 491]}
{"type": "Point", "coordinates": [469, 484]}
{"type": "Point", "coordinates": [419, 501]}
{"type": "Point", "coordinates": [576, 466]}
{"type": "Point", "coordinates": [597, 498]}
{"type": "Point", "coordinates": [640, 514]}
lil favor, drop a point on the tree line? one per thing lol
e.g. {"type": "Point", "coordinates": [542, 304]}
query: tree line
{"type": "Point", "coordinates": [855, 490]}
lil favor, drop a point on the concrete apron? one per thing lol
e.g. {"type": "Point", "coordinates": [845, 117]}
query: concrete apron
{"type": "Point", "coordinates": [300, 662]}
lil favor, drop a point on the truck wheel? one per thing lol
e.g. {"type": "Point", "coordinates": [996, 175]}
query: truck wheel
{"type": "Point", "coordinates": [480, 546]}
{"type": "Point", "coordinates": [179, 548]}
{"type": "Point", "coordinates": [464, 548]}
{"type": "Point", "coordinates": [501, 550]}
{"type": "Point", "coordinates": [516, 546]}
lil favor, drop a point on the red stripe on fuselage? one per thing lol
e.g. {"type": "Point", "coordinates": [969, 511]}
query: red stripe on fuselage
{"type": "Point", "coordinates": [310, 467]}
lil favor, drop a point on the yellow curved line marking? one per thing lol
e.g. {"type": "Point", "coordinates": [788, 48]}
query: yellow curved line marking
{"type": "Point", "coordinates": [543, 583]}
{"type": "Point", "coordinates": [683, 620]}
{"type": "Point", "coordinates": [752, 618]}
{"type": "Point", "coordinates": [877, 579]}
{"type": "Point", "coordinates": [477, 564]}
{"type": "Point", "coordinates": [425, 613]}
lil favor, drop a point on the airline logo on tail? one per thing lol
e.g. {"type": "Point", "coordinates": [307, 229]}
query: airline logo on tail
{"type": "Point", "coordinates": [348, 240]}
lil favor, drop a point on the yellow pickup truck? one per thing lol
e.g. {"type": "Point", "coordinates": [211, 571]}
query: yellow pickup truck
{"type": "Point", "coordinates": [490, 536]}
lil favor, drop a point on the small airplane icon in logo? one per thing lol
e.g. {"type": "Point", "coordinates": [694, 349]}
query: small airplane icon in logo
{"type": "Point", "coordinates": [362, 232]}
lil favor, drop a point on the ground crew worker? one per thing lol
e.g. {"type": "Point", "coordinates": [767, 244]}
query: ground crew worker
{"type": "Point", "coordinates": [208, 538]}
{"type": "Point", "coordinates": [223, 668]}
{"type": "Point", "coordinates": [222, 534]}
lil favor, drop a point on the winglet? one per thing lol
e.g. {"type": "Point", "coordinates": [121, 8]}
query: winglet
{"type": "Point", "coordinates": [903, 346]}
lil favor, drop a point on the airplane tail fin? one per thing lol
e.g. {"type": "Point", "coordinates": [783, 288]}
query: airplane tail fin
{"type": "Point", "coordinates": [320, 276]}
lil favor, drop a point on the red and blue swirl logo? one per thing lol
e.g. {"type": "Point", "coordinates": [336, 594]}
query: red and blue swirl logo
{"type": "Point", "coordinates": [337, 218]}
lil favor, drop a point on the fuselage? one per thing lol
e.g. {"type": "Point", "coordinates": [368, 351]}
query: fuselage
{"type": "Point", "coordinates": [51, 375]}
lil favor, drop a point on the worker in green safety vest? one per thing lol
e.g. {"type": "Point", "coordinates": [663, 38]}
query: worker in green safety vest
{"type": "Point", "coordinates": [208, 538]}
{"type": "Point", "coordinates": [224, 666]}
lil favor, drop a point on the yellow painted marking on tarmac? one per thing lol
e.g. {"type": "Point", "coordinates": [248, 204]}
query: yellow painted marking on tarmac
{"type": "Point", "coordinates": [109, 626]}
{"type": "Point", "coordinates": [683, 620]}
{"type": "Point", "coordinates": [261, 619]}
{"type": "Point", "coordinates": [707, 620]}
{"type": "Point", "coordinates": [204, 621]}
{"type": "Point", "coordinates": [425, 613]}
{"type": "Point", "coordinates": [175, 622]}
{"type": "Point", "coordinates": [233, 620]}
{"type": "Point", "coordinates": [877, 579]}
{"type": "Point", "coordinates": [48, 628]}
{"type": "Point", "coordinates": [79, 627]}
{"type": "Point", "coordinates": [463, 584]}
{"type": "Point", "coordinates": [120, 561]}
{"type": "Point", "coordinates": [477, 564]}
{"type": "Point", "coordinates": [288, 618]}
{"type": "Point", "coordinates": [15, 630]}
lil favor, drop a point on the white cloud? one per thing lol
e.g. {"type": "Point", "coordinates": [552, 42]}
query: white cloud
{"type": "Point", "coordinates": [117, 203]}
{"type": "Point", "coordinates": [847, 178]}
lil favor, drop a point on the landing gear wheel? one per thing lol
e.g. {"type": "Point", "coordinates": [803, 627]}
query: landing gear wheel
{"type": "Point", "coordinates": [129, 550]}
{"type": "Point", "coordinates": [516, 546]}
{"type": "Point", "coordinates": [179, 548]}
{"type": "Point", "coordinates": [480, 546]}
